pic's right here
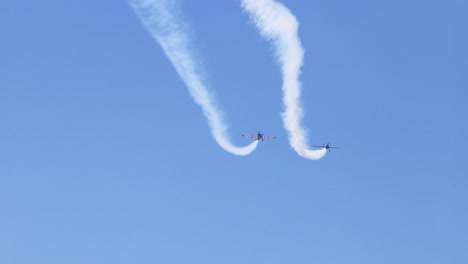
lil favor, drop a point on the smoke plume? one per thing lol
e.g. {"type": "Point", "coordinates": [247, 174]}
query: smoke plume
{"type": "Point", "coordinates": [278, 25]}
{"type": "Point", "coordinates": [159, 18]}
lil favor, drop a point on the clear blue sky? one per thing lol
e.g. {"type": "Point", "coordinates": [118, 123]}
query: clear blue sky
{"type": "Point", "coordinates": [104, 157]}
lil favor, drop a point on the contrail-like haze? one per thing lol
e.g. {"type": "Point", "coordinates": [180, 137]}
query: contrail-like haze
{"type": "Point", "coordinates": [158, 17]}
{"type": "Point", "coordinates": [277, 24]}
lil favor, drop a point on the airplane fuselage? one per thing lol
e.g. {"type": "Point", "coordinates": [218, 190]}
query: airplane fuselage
{"type": "Point", "coordinates": [260, 136]}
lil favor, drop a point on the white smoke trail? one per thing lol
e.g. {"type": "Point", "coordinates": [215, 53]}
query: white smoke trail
{"type": "Point", "coordinates": [158, 17]}
{"type": "Point", "coordinates": [278, 24]}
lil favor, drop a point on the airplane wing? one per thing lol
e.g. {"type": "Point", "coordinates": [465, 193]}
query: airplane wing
{"type": "Point", "coordinates": [250, 136]}
{"type": "Point", "coordinates": [334, 147]}
{"type": "Point", "coordinates": [318, 146]}
{"type": "Point", "coordinates": [269, 137]}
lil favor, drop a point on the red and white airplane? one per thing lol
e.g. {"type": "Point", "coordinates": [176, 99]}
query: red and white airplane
{"type": "Point", "coordinates": [327, 147]}
{"type": "Point", "coordinates": [259, 136]}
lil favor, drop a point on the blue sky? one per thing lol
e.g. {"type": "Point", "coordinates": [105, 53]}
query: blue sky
{"type": "Point", "coordinates": [105, 158]}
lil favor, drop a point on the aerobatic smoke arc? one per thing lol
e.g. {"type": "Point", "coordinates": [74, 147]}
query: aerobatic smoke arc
{"type": "Point", "coordinates": [158, 17]}
{"type": "Point", "coordinates": [277, 24]}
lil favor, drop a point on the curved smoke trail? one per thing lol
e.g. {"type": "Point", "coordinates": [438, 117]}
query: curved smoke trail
{"type": "Point", "coordinates": [159, 19]}
{"type": "Point", "coordinates": [278, 24]}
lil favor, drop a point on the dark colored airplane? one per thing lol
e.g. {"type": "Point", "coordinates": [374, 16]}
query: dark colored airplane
{"type": "Point", "coordinates": [259, 136]}
{"type": "Point", "coordinates": [327, 147]}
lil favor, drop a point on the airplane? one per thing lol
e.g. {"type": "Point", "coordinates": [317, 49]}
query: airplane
{"type": "Point", "coordinates": [259, 136]}
{"type": "Point", "coordinates": [326, 146]}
